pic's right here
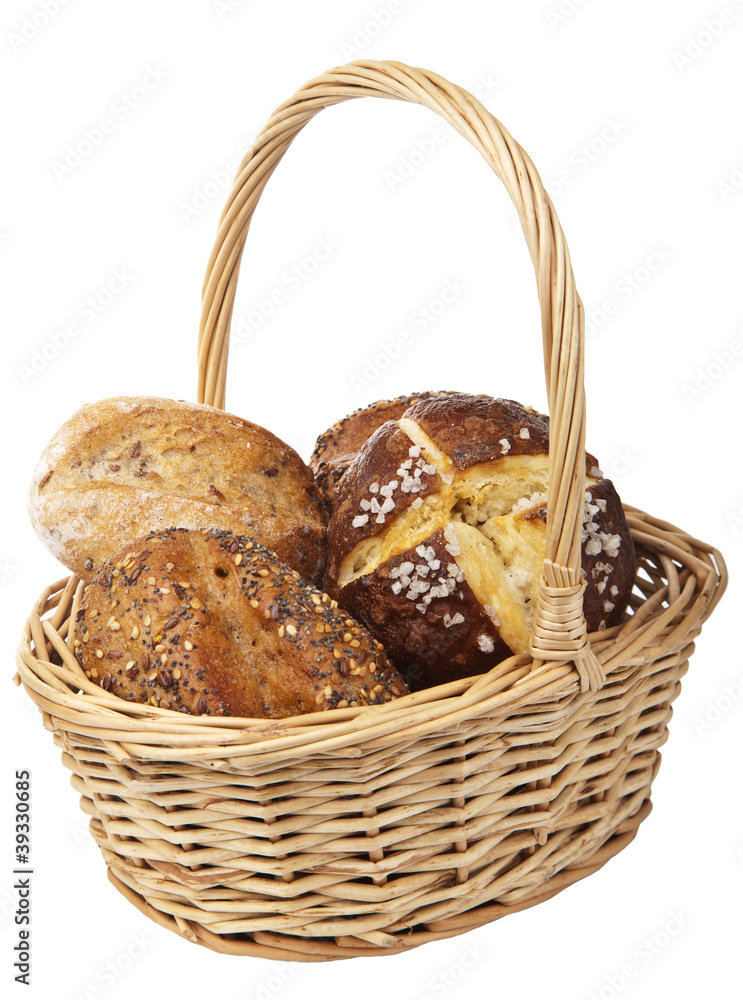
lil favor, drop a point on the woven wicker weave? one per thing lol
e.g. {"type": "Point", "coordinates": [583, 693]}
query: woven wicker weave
{"type": "Point", "coordinates": [370, 830]}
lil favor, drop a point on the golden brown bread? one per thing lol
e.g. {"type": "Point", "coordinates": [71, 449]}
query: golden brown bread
{"type": "Point", "coordinates": [122, 467]}
{"type": "Point", "coordinates": [438, 534]}
{"type": "Point", "coordinates": [208, 622]}
{"type": "Point", "coordinates": [336, 447]}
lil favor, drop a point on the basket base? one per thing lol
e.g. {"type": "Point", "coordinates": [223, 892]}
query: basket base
{"type": "Point", "coordinates": [291, 948]}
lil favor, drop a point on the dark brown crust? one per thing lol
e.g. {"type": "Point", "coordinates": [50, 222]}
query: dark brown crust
{"type": "Point", "coordinates": [336, 448]}
{"type": "Point", "coordinates": [472, 429]}
{"type": "Point", "coordinates": [253, 627]}
{"type": "Point", "coordinates": [424, 649]}
{"type": "Point", "coordinates": [377, 462]}
{"type": "Point", "coordinates": [340, 442]}
{"type": "Point", "coordinates": [127, 465]}
{"type": "Point", "coordinates": [603, 568]}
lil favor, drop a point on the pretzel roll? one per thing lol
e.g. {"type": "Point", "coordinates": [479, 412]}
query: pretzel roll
{"type": "Point", "coordinates": [438, 535]}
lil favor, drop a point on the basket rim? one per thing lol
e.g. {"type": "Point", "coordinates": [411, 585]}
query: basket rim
{"type": "Point", "coordinates": [518, 699]}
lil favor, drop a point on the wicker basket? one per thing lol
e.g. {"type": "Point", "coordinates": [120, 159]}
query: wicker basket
{"type": "Point", "coordinates": [370, 830]}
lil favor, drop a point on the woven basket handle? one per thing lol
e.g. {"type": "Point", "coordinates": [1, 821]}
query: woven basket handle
{"type": "Point", "coordinates": [559, 632]}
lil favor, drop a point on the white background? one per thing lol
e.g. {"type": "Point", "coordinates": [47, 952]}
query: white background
{"type": "Point", "coordinates": [631, 113]}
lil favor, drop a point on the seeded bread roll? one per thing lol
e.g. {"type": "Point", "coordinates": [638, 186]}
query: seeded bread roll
{"type": "Point", "coordinates": [208, 622]}
{"type": "Point", "coordinates": [336, 448]}
{"type": "Point", "coordinates": [438, 535]}
{"type": "Point", "coordinates": [122, 467]}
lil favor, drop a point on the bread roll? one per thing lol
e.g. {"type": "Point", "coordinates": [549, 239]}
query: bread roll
{"type": "Point", "coordinates": [336, 447]}
{"type": "Point", "coordinates": [208, 622]}
{"type": "Point", "coordinates": [122, 467]}
{"type": "Point", "coordinates": [438, 535]}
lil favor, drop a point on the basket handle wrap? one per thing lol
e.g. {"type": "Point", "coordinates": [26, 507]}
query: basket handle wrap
{"type": "Point", "coordinates": [559, 632]}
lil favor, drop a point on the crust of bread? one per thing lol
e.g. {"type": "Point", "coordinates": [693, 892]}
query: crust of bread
{"type": "Point", "coordinates": [453, 638]}
{"type": "Point", "coordinates": [208, 622]}
{"type": "Point", "coordinates": [489, 459]}
{"type": "Point", "coordinates": [127, 465]}
{"type": "Point", "coordinates": [379, 463]}
{"type": "Point", "coordinates": [336, 447]}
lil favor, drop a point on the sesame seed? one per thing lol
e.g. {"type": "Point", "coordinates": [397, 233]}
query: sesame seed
{"type": "Point", "coordinates": [99, 653]}
{"type": "Point", "coordinates": [188, 645]}
{"type": "Point", "coordinates": [291, 629]}
{"type": "Point", "coordinates": [238, 558]}
{"type": "Point", "coordinates": [135, 632]}
{"type": "Point", "coordinates": [151, 581]}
